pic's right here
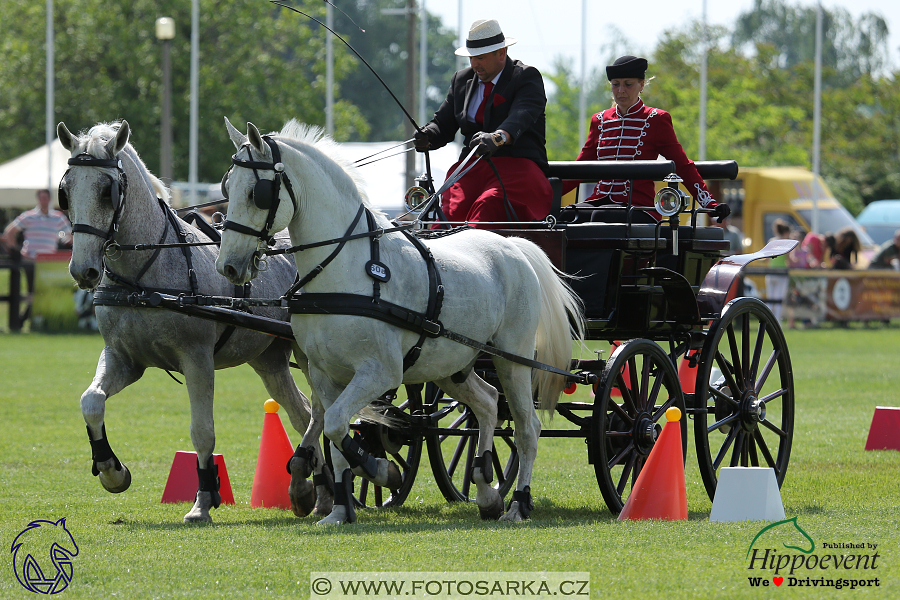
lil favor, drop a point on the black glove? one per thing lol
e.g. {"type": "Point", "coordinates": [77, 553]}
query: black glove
{"type": "Point", "coordinates": [721, 211]}
{"type": "Point", "coordinates": [421, 141]}
{"type": "Point", "coordinates": [486, 143]}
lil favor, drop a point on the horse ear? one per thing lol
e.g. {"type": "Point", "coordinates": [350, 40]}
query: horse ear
{"type": "Point", "coordinates": [255, 137]}
{"type": "Point", "coordinates": [117, 144]}
{"type": "Point", "coordinates": [65, 137]}
{"type": "Point", "coordinates": [237, 138]}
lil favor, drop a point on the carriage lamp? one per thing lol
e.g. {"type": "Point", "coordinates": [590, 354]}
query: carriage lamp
{"type": "Point", "coordinates": [670, 200]}
{"type": "Point", "coordinates": [416, 197]}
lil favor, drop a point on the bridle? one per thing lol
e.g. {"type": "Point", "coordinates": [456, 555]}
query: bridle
{"type": "Point", "coordinates": [265, 192]}
{"type": "Point", "coordinates": [117, 189]}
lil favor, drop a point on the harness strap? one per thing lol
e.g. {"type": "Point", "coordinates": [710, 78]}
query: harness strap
{"type": "Point", "coordinates": [362, 306]}
{"type": "Point", "coordinates": [321, 266]}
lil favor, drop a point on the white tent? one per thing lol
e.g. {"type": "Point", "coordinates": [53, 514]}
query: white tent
{"type": "Point", "coordinates": [22, 177]}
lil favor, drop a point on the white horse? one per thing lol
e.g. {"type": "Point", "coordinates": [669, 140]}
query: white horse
{"type": "Point", "coordinates": [500, 291]}
{"type": "Point", "coordinates": [113, 200]}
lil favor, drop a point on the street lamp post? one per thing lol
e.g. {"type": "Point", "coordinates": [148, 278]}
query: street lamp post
{"type": "Point", "coordinates": [165, 32]}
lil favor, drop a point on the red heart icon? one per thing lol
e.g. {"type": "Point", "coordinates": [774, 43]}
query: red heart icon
{"type": "Point", "coordinates": [778, 580]}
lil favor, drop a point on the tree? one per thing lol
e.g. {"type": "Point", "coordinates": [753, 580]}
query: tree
{"type": "Point", "coordinates": [383, 45]}
{"type": "Point", "coordinates": [851, 48]}
{"type": "Point", "coordinates": [258, 62]}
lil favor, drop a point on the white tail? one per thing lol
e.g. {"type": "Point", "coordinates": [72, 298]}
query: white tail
{"type": "Point", "coordinates": [561, 323]}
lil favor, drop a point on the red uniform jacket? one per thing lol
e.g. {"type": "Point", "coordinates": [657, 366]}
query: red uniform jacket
{"type": "Point", "coordinates": [641, 134]}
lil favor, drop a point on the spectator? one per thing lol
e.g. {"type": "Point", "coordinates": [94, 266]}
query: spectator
{"type": "Point", "coordinates": [42, 228]}
{"type": "Point", "coordinates": [843, 249]}
{"type": "Point", "coordinates": [798, 258]}
{"type": "Point", "coordinates": [815, 247]}
{"type": "Point", "coordinates": [888, 256]}
{"type": "Point", "coordinates": [777, 283]}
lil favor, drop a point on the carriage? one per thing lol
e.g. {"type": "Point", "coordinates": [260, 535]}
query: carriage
{"type": "Point", "coordinates": [663, 295]}
{"type": "Point", "coordinates": [659, 292]}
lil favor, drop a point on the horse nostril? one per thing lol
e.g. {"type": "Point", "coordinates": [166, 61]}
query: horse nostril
{"type": "Point", "coordinates": [92, 275]}
{"type": "Point", "coordinates": [230, 272]}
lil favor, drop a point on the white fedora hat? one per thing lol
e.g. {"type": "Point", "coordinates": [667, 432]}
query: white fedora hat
{"type": "Point", "coordinates": [484, 36]}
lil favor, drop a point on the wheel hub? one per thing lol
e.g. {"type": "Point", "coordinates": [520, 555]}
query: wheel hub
{"type": "Point", "coordinates": [645, 433]}
{"type": "Point", "coordinates": [753, 411]}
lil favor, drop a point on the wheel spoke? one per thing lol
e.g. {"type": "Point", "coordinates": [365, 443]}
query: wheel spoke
{"type": "Point", "coordinates": [379, 496]}
{"type": "Point", "coordinates": [401, 461]}
{"type": "Point", "coordinates": [722, 396]}
{"type": "Point", "coordinates": [363, 490]}
{"type": "Point", "coordinates": [635, 389]}
{"type": "Point", "coordinates": [623, 477]}
{"type": "Point", "coordinates": [457, 454]}
{"type": "Point", "coordinates": [498, 468]}
{"type": "Point", "coordinates": [738, 447]}
{"type": "Point", "coordinates": [727, 420]}
{"type": "Point", "coordinates": [757, 350]}
{"type": "Point", "coordinates": [735, 356]}
{"type": "Point", "coordinates": [638, 465]}
{"type": "Point", "coordinates": [773, 395]}
{"type": "Point", "coordinates": [774, 429]}
{"type": "Point", "coordinates": [467, 474]}
{"type": "Point", "coordinates": [745, 349]}
{"type": "Point", "coordinates": [618, 458]}
{"type": "Point", "coordinates": [767, 369]}
{"type": "Point", "coordinates": [626, 393]}
{"type": "Point", "coordinates": [657, 385]}
{"type": "Point", "coordinates": [764, 448]}
{"type": "Point", "coordinates": [726, 369]}
{"type": "Point", "coordinates": [663, 408]}
{"type": "Point", "coordinates": [621, 412]}
{"type": "Point", "coordinates": [645, 383]}
{"type": "Point", "coordinates": [729, 439]}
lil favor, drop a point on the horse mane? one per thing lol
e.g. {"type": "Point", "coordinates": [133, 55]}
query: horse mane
{"type": "Point", "coordinates": [95, 144]}
{"type": "Point", "coordinates": [302, 136]}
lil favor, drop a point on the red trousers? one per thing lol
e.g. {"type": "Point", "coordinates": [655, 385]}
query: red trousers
{"type": "Point", "coordinates": [478, 195]}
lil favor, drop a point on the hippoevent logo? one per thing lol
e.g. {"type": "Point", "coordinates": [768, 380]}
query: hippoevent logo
{"type": "Point", "coordinates": [784, 554]}
{"type": "Point", "coordinates": [42, 556]}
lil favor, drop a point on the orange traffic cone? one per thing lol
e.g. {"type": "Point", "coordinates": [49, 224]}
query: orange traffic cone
{"type": "Point", "coordinates": [884, 433]}
{"type": "Point", "coordinates": [182, 484]}
{"type": "Point", "coordinates": [271, 480]}
{"type": "Point", "coordinates": [659, 491]}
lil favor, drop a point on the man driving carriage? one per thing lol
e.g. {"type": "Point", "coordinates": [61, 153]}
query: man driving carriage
{"type": "Point", "coordinates": [498, 105]}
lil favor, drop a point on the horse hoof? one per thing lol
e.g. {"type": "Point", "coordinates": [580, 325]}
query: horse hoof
{"type": "Point", "coordinates": [394, 476]}
{"type": "Point", "coordinates": [303, 496]}
{"type": "Point", "coordinates": [338, 516]}
{"type": "Point", "coordinates": [114, 488]}
{"type": "Point", "coordinates": [493, 511]}
{"type": "Point", "coordinates": [513, 514]}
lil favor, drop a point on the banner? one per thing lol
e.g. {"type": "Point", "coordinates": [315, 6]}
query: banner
{"type": "Point", "coordinates": [816, 295]}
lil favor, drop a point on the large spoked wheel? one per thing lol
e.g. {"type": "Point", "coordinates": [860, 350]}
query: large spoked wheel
{"type": "Point", "coordinates": [400, 442]}
{"type": "Point", "coordinates": [744, 393]}
{"type": "Point", "coordinates": [636, 388]}
{"type": "Point", "coordinates": [452, 442]}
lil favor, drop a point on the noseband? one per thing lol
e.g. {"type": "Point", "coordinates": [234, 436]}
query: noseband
{"type": "Point", "coordinates": [265, 192]}
{"type": "Point", "coordinates": [118, 186]}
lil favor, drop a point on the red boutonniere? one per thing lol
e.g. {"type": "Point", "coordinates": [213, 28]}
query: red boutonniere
{"type": "Point", "coordinates": [498, 99]}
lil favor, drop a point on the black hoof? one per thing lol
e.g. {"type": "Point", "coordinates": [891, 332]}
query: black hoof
{"type": "Point", "coordinates": [303, 496]}
{"type": "Point", "coordinates": [395, 477]}
{"type": "Point", "coordinates": [492, 512]}
{"type": "Point", "coordinates": [126, 483]}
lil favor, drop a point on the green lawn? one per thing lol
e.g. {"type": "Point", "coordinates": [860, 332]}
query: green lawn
{"type": "Point", "coordinates": [133, 546]}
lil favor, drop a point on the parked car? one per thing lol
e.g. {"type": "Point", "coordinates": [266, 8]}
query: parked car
{"type": "Point", "coordinates": [881, 219]}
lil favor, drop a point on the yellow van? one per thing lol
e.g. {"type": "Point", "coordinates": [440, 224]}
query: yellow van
{"type": "Point", "coordinates": [760, 195]}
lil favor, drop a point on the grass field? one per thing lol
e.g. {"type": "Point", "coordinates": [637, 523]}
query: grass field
{"type": "Point", "coordinates": [133, 546]}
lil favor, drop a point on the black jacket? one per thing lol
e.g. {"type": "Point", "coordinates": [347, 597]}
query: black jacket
{"type": "Point", "coordinates": [516, 105]}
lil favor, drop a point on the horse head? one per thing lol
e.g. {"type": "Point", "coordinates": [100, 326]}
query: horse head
{"type": "Point", "coordinates": [254, 186]}
{"type": "Point", "coordinates": [36, 548]}
{"type": "Point", "coordinates": [92, 191]}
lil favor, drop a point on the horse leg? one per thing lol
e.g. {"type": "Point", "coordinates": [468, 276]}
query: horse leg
{"type": "Point", "coordinates": [112, 375]}
{"type": "Point", "coordinates": [199, 377]}
{"type": "Point", "coordinates": [273, 368]}
{"type": "Point", "coordinates": [516, 382]}
{"type": "Point", "coordinates": [357, 395]}
{"type": "Point", "coordinates": [482, 398]}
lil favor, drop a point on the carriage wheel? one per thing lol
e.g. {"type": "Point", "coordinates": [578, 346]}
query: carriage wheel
{"type": "Point", "coordinates": [637, 386]}
{"type": "Point", "coordinates": [401, 443]}
{"type": "Point", "coordinates": [744, 393]}
{"type": "Point", "coordinates": [452, 451]}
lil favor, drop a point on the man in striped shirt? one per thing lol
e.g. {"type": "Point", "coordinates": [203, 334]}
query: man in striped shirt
{"type": "Point", "coordinates": [41, 226]}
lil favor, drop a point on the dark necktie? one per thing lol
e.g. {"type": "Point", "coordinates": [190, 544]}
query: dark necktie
{"type": "Point", "coordinates": [479, 114]}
